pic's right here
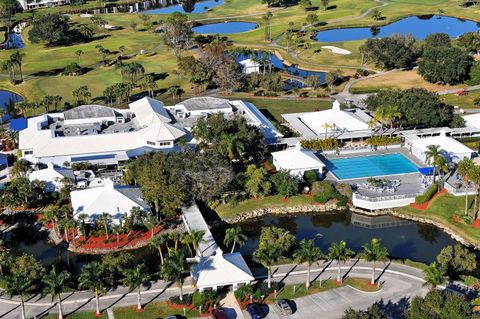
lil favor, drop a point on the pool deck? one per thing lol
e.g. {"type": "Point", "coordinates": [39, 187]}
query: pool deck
{"type": "Point", "coordinates": [410, 183]}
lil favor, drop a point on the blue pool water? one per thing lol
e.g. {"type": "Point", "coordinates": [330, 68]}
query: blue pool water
{"type": "Point", "coordinates": [224, 28]}
{"type": "Point", "coordinates": [371, 166]}
{"type": "Point", "coordinates": [198, 7]}
{"type": "Point", "coordinates": [419, 27]}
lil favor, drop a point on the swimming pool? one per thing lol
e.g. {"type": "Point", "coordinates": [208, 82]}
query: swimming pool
{"type": "Point", "coordinates": [371, 166]}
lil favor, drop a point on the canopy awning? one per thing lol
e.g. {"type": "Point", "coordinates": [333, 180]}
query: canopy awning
{"type": "Point", "coordinates": [427, 171]}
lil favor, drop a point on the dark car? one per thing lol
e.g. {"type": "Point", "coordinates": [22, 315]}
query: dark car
{"type": "Point", "coordinates": [284, 307]}
{"type": "Point", "coordinates": [219, 314]}
{"type": "Point", "coordinates": [255, 311]}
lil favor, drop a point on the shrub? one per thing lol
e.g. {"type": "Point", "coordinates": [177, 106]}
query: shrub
{"type": "Point", "coordinates": [321, 145]}
{"type": "Point", "coordinates": [382, 140]}
{"type": "Point", "coordinates": [310, 176]}
{"type": "Point", "coordinates": [344, 189]}
{"type": "Point", "coordinates": [243, 292]}
{"type": "Point", "coordinates": [322, 191]}
{"type": "Point", "coordinates": [427, 195]}
{"type": "Point", "coordinates": [187, 300]}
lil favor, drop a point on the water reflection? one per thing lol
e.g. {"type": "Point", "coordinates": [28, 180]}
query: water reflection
{"type": "Point", "coordinates": [404, 239]}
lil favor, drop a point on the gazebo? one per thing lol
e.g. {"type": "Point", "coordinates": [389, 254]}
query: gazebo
{"type": "Point", "coordinates": [221, 270]}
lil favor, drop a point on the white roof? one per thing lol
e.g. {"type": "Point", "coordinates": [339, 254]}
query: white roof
{"type": "Point", "coordinates": [297, 158]}
{"type": "Point", "coordinates": [221, 270]}
{"type": "Point", "coordinates": [472, 120]}
{"type": "Point", "coordinates": [51, 174]}
{"type": "Point", "coordinates": [446, 143]}
{"type": "Point", "coordinates": [333, 120]}
{"type": "Point", "coordinates": [149, 111]}
{"type": "Point", "coordinates": [255, 117]}
{"type": "Point", "coordinates": [249, 63]}
{"type": "Point", "coordinates": [111, 199]}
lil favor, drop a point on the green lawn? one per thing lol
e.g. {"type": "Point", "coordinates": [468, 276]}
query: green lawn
{"type": "Point", "coordinates": [299, 290]}
{"type": "Point", "coordinates": [278, 106]}
{"type": "Point", "coordinates": [230, 210]}
{"type": "Point", "coordinates": [79, 315]}
{"type": "Point", "coordinates": [442, 209]}
{"type": "Point", "coordinates": [463, 101]}
{"type": "Point", "coordinates": [153, 310]}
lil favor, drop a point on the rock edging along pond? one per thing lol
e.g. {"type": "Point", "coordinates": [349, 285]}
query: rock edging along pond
{"type": "Point", "coordinates": [283, 210]}
{"type": "Point", "coordinates": [332, 206]}
{"type": "Point", "coordinates": [455, 235]}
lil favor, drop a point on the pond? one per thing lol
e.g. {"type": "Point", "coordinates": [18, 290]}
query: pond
{"type": "Point", "coordinates": [404, 239]}
{"type": "Point", "coordinates": [8, 98]}
{"type": "Point", "coordinates": [225, 28]}
{"type": "Point", "coordinates": [278, 64]}
{"type": "Point", "coordinates": [15, 41]}
{"type": "Point", "coordinates": [419, 27]}
{"type": "Point", "coordinates": [187, 7]}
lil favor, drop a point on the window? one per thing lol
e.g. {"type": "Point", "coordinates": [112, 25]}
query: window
{"type": "Point", "coordinates": [165, 143]}
{"type": "Point", "coordinates": [151, 143]}
{"type": "Point", "coordinates": [27, 152]}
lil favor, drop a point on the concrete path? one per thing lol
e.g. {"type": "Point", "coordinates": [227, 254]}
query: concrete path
{"type": "Point", "coordinates": [231, 307]}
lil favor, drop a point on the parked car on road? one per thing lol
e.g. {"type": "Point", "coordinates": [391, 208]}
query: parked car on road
{"type": "Point", "coordinates": [219, 314]}
{"type": "Point", "coordinates": [255, 311]}
{"type": "Point", "coordinates": [284, 307]}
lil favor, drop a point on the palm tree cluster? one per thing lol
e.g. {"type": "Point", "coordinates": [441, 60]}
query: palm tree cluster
{"type": "Point", "coordinates": [132, 72]}
{"type": "Point", "coordinates": [434, 157]}
{"type": "Point", "coordinates": [14, 66]}
{"type": "Point", "coordinates": [307, 253]}
{"type": "Point", "coordinates": [118, 93]}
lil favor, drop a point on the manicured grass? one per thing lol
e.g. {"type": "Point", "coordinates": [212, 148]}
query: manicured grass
{"type": "Point", "coordinates": [230, 211]}
{"type": "Point", "coordinates": [79, 315]}
{"type": "Point", "coordinates": [153, 310]}
{"type": "Point", "coordinates": [278, 106]}
{"type": "Point", "coordinates": [442, 209]}
{"type": "Point", "coordinates": [299, 290]}
{"type": "Point", "coordinates": [398, 80]}
{"type": "Point", "coordinates": [462, 101]}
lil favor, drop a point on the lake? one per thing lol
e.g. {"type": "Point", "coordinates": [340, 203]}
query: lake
{"type": "Point", "coordinates": [192, 7]}
{"type": "Point", "coordinates": [225, 28]}
{"type": "Point", "coordinates": [404, 239]}
{"type": "Point", "coordinates": [6, 98]}
{"type": "Point", "coordinates": [419, 27]}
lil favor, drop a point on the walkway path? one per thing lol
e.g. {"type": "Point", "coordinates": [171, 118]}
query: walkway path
{"type": "Point", "coordinates": [231, 307]}
{"type": "Point", "coordinates": [399, 279]}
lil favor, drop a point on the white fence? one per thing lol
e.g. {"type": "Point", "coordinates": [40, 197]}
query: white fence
{"type": "Point", "coordinates": [384, 202]}
{"type": "Point", "coordinates": [458, 191]}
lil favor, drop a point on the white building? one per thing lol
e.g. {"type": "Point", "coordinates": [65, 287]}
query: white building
{"type": "Point", "coordinates": [472, 120]}
{"type": "Point", "coordinates": [250, 66]}
{"type": "Point", "coordinates": [34, 4]}
{"type": "Point", "coordinates": [453, 150]}
{"type": "Point", "coordinates": [100, 134]}
{"type": "Point", "coordinates": [221, 270]}
{"type": "Point", "coordinates": [189, 111]}
{"type": "Point", "coordinates": [109, 198]}
{"type": "Point", "coordinates": [53, 176]}
{"type": "Point", "coordinates": [335, 122]}
{"type": "Point", "coordinates": [297, 161]}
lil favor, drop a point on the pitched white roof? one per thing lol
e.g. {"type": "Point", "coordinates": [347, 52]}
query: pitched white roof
{"type": "Point", "coordinates": [221, 270]}
{"type": "Point", "coordinates": [249, 63]}
{"type": "Point", "coordinates": [472, 120]}
{"type": "Point", "coordinates": [333, 120]}
{"type": "Point", "coordinates": [51, 173]}
{"type": "Point", "coordinates": [149, 111]}
{"type": "Point", "coordinates": [297, 159]}
{"type": "Point", "coordinates": [111, 199]}
{"type": "Point", "coordinates": [446, 143]}
{"type": "Point", "coordinates": [161, 132]}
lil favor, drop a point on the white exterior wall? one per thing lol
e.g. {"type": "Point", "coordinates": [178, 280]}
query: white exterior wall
{"type": "Point", "coordinates": [108, 119]}
{"type": "Point", "coordinates": [383, 204]}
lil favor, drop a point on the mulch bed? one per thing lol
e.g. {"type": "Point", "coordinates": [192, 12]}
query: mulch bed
{"type": "Point", "coordinates": [424, 206]}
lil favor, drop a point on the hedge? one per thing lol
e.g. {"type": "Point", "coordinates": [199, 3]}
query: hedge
{"type": "Point", "coordinates": [427, 195]}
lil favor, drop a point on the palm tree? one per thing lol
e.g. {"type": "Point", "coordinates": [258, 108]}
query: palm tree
{"type": "Point", "coordinates": [79, 53]}
{"type": "Point", "coordinates": [55, 284]}
{"type": "Point", "coordinates": [117, 229]}
{"type": "Point", "coordinates": [341, 253]}
{"type": "Point", "coordinates": [194, 238]}
{"type": "Point", "coordinates": [81, 219]}
{"type": "Point", "coordinates": [19, 285]}
{"type": "Point", "coordinates": [233, 235]}
{"type": "Point", "coordinates": [105, 219]}
{"type": "Point", "coordinates": [17, 59]}
{"type": "Point", "coordinates": [93, 278]}
{"type": "Point", "coordinates": [465, 168]}
{"type": "Point", "coordinates": [434, 275]}
{"type": "Point", "coordinates": [174, 268]}
{"type": "Point", "coordinates": [86, 30]}
{"type": "Point", "coordinates": [22, 107]}
{"type": "Point", "coordinates": [175, 91]}
{"type": "Point", "coordinates": [175, 236]}
{"type": "Point", "coordinates": [231, 146]}
{"type": "Point", "coordinates": [158, 241]}
{"type": "Point", "coordinates": [307, 253]}
{"type": "Point", "coordinates": [433, 157]}
{"type": "Point", "coordinates": [267, 20]}
{"type": "Point", "coordinates": [387, 114]}
{"type": "Point", "coordinates": [8, 65]}
{"type": "Point", "coordinates": [267, 255]}
{"type": "Point", "coordinates": [56, 99]}
{"type": "Point", "coordinates": [149, 84]}
{"type": "Point", "coordinates": [373, 252]}
{"type": "Point", "coordinates": [134, 279]}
